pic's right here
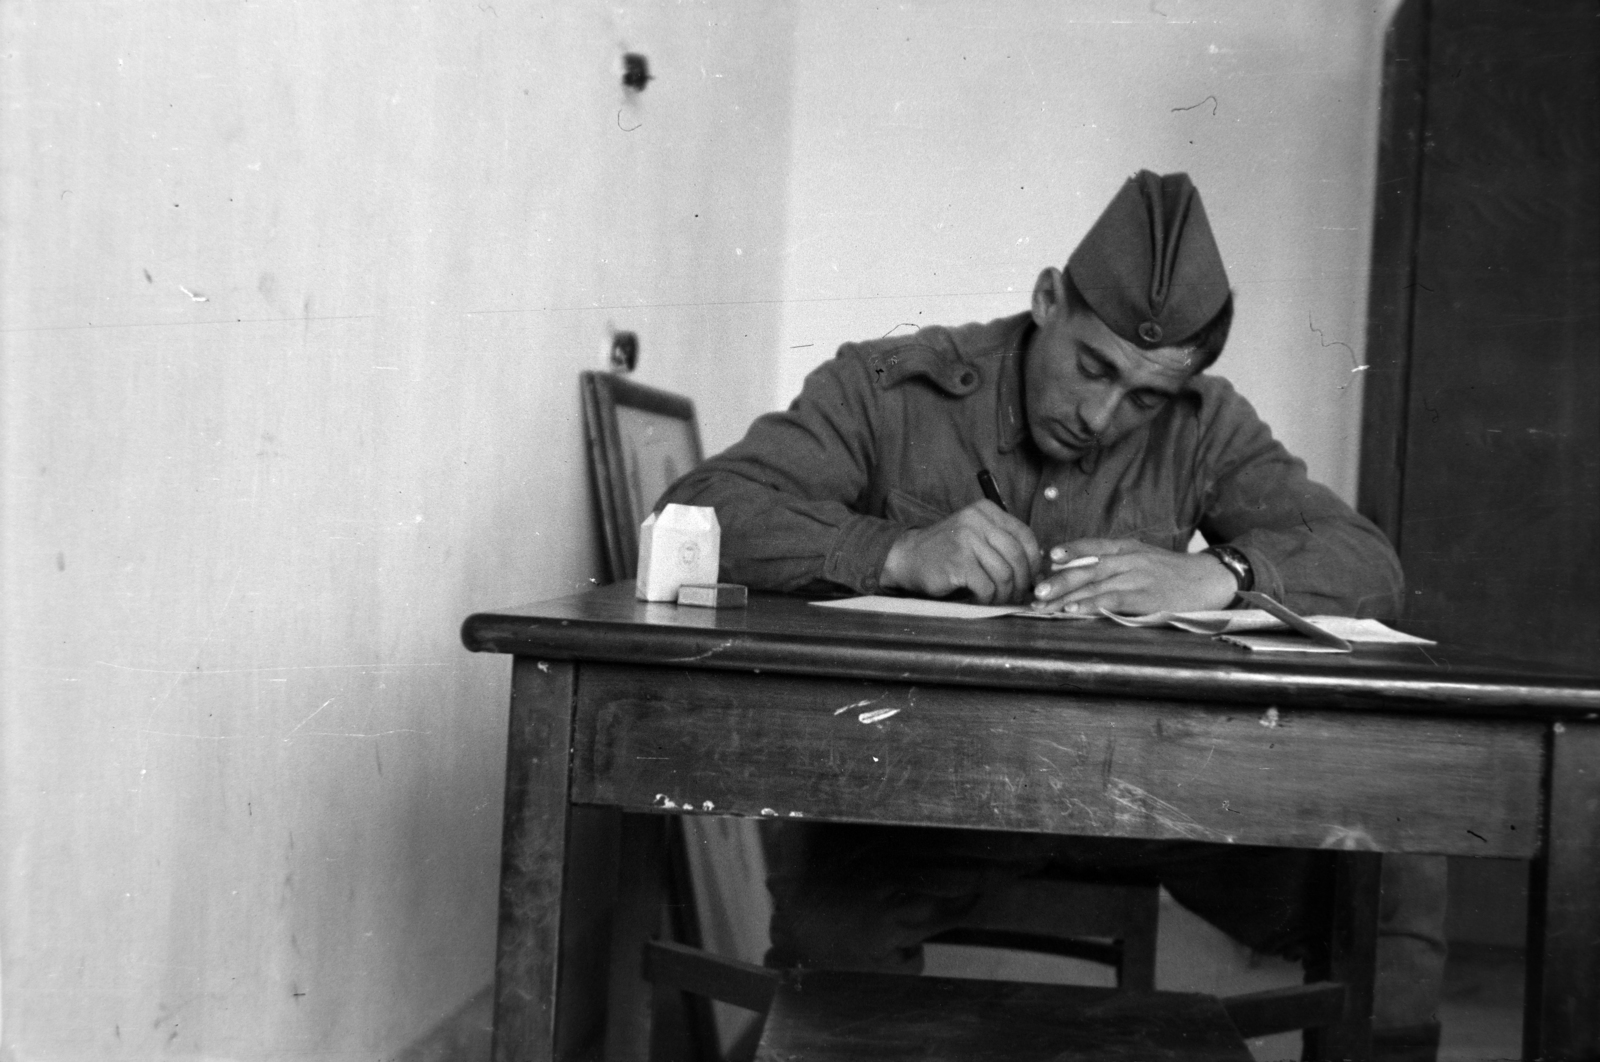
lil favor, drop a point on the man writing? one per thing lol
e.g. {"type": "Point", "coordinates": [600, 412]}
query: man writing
{"type": "Point", "coordinates": [1108, 446]}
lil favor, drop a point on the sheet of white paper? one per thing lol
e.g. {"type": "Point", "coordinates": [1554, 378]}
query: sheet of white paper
{"type": "Point", "coordinates": [1218, 622]}
{"type": "Point", "coordinates": [919, 606]}
{"type": "Point", "coordinates": [1369, 631]}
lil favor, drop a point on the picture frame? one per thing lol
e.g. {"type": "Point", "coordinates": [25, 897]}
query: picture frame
{"type": "Point", "coordinates": [641, 439]}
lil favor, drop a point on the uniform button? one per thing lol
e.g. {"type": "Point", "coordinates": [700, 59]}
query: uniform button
{"type": "Point", "coordinates": [1050, 493]}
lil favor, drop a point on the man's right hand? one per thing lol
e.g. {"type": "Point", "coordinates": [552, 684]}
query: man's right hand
{"type": "Point", "coordinates": [982, 548]}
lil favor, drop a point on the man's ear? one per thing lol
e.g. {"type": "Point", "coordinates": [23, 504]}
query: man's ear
{"type": "Point", "coordinates": [1049, 295]}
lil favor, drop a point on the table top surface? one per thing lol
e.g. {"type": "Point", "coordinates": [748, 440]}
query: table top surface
{"type": "Point", "coordinates": [784, 634]}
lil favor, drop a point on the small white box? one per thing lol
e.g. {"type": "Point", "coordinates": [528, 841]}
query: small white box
{"type": "Point", "coordinates": [714, 595]}
{"type": "Point", "coordinates": [681, 544]}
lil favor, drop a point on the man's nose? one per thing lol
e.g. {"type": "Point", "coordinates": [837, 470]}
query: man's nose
{"type": "Point", "coordinates": [1099, 409]}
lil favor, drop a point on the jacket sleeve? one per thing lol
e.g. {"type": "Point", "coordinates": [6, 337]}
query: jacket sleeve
{"type": "Point", "coordinates": [1308, 548]}
{"type": "Point", "coordinates": [788, 495]}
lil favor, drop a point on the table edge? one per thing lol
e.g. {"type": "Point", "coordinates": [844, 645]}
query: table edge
{"type": "Point", "coordinates": [755, 651]}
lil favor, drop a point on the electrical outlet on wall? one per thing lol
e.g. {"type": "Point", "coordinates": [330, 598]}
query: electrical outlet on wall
{"type": "Point", "coordinates": [624, 354]}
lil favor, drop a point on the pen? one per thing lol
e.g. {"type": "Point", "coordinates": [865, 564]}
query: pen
{"type": "Point", "coordinates": [990, 491]}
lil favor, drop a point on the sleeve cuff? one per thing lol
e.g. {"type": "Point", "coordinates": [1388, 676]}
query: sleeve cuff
{"type": "Point", "coordinates": [858, 553]}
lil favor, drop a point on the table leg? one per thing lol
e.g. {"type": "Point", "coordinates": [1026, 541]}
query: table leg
{"type": "Point", "coordinates": [1352, 957]}
{"type": "Point", "coordinates": [1561, 1018]}
{"type": "Point", "coordinates": [533, 863]}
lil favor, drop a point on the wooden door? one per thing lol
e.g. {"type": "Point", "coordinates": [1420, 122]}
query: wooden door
{"type": "Point", "coordinates": [1481, 445]}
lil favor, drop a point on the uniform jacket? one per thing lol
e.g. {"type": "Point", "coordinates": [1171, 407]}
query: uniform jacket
{"type": "Point", "coordinates": [891, 433]}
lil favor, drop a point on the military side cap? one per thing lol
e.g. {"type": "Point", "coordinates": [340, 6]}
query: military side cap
{"type": "Point", "coordinates": [1149, 268]}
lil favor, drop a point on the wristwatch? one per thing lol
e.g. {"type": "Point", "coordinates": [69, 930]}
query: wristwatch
{"type": "Point", "coordinates": [1235, 562]}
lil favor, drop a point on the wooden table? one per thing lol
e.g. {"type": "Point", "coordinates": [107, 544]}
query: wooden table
{"type": "Point", "coordinates": [785, 709]}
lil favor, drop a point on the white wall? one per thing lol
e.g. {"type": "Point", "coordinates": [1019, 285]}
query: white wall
{"type": "Point", "coordinates": [293, 298]}
{"type": "Point", "coordinates": [946, 151]}
{"type": "Point", "coordinates": [295, 295]}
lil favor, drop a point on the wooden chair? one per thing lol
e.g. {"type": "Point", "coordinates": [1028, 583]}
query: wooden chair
{"type": "Point", "coordinates": [850, 1016]}
{"type": "Point", "coordinates": [824, 1016]}
{"type": "Point", "coordinates": [1110, 923]}
{"type": "Point", "coordinates": [840, 1016]}
{"type": "Point", "coordinates": [640, 440]}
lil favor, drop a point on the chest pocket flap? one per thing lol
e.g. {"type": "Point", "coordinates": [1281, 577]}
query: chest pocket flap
{"type": "Point", "coordinates": [944, 369]}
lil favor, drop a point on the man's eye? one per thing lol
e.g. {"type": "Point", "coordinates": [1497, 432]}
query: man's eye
{"type": "Point", "coordinates": [1146, 402]}
{"type": "Point", "coordinates": [1091, 369]}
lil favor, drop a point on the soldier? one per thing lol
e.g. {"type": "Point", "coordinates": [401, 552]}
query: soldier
{"type": "Point", "coordinates": [1103, 440]}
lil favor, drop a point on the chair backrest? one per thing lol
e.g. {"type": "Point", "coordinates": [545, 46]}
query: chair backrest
{"type": "Point", "coordinates": [640, 440]}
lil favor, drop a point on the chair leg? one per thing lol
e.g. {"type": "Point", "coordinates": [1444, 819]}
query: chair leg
{"type": "Point", "coordinates": [637, 920]}
{"type": "Point", "coordinates": [698, 1040]}
{"type": "Point", "coordinates": [679, 972]}
{"type": "Point", "coordinates": [1350, 957]}
{"type": "Point", "coordinates": [744, 1049]}
{"type": "Point", "coordinates": [653, 1022]}
{"type": "Point", "coordinates": [1136, 970]}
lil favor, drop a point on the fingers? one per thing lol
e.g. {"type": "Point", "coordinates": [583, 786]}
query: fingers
{"type": "Point", "coordinates": [981, 564]}
{"type": "Point", "coordinates": [998, 572]}
{"type": "Point", "coordinates": [1013, 532]}
{"type": "Point", "coordinates": [1125, 592]}
{"type": "Point", "coordinates": [1096, 547]}
{"type": "Point", "coordinates": [982, 549]}
{"type": "Point", "coordinates": [1076, 577]}
{"type": "Point", "coordinates": [1084, 563]}
{"type": "Point", "coordinates": [1129, 577]}
{"type": "Point", "coordinates": [1004, 548]}
{"type": "Point", "coordinates": [1138, 583]}
{"type": "Point", "coordinates": [1119, 593]}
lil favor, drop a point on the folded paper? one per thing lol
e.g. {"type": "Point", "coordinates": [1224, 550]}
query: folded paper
{"type": "Point", "coordinates": [681, 544]}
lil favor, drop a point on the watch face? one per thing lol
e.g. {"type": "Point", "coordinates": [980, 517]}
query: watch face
{"type": "Point", "coordinates": [1236, 563]}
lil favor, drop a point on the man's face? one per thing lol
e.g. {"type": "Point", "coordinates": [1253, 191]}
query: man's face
{"type": "Point", "coordinates": [1086, 386]}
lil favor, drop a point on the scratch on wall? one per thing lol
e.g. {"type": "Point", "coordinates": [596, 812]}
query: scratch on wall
{"type": "Point", "coordinates": [307, 719]}
{"type": "Point", "coordinates": [1195, 106]}
{"type": "Point", "coordinates": [1355, 362]}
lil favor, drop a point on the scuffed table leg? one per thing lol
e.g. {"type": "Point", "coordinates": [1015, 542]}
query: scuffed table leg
{"type": "Point", "coordinates": [1561, 1022]}
{"type": "Point", "coordinates": [533, 898]}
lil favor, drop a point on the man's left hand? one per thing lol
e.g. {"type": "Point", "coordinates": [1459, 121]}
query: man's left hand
{"type": "Point", "coordinates": [1133, 577]}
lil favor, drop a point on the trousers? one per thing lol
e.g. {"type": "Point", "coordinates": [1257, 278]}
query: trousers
{"type": "Point", "coordinates": [849, 896]}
